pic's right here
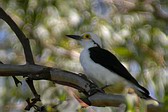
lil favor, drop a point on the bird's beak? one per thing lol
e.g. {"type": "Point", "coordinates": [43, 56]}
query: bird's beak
{"type": "Point", "coordinates": [76, 37]}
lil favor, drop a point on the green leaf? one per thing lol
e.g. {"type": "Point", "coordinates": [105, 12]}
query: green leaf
{"type": "Point", "coordinates": [122, 51]}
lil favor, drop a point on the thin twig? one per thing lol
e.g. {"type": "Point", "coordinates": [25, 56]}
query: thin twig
{"type": "Point", "coordinates": [27, 49]}
{"type": "Point", "coordinates": [22, 38]}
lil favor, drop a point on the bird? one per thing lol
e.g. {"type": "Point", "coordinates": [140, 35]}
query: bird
{"type": "Point", "coordinates": [103, 68]}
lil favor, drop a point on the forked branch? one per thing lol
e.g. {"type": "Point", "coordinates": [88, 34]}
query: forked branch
{"type": "Point", "coordinates": [94, 95]}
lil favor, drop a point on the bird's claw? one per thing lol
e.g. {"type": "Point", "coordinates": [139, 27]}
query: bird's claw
{"type": "Point", "coordinates": [83, 76]}
{"type": "Point", "coordinates": [106, 86]}
{"type": "Point", "coordinates": [94, 89]}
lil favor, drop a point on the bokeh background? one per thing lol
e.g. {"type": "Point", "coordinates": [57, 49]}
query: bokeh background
{"type": "Point", "coordinates": [136, 31]}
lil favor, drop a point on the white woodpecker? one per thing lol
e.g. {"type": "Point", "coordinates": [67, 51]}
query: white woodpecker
{"type": "Point", "coordinates": [103, 68]}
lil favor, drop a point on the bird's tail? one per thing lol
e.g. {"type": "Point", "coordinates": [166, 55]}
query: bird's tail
{"type": "Point", "coordinates": [143, 92]}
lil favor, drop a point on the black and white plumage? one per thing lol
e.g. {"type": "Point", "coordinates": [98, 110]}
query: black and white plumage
{"type": "Point", "coordinates": [102, 67]}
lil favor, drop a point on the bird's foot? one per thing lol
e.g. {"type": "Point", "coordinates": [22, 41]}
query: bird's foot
{"type": "Point", "coordinates": [106, 86]}
{"type": "Point", "coordinates": [83, 76]}
{"type": "Point", "coordinates": [94, 89]}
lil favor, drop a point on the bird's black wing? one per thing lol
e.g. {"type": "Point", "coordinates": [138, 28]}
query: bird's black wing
{"type": "Point", "coordinates": [109, 61]}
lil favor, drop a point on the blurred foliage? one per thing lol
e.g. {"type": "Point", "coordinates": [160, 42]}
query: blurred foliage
{"type": "Point", "coordinates": [131, 29]}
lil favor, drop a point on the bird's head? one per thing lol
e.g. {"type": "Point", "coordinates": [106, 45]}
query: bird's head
{"type": "Point", "coordinates": [87, 39]}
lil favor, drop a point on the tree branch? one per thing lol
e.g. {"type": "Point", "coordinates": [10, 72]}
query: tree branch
{"type": "Point", "coordinates": [67, 78]}
{"type": "Point", "coordinates": [102, 99]}
{"type": "Point", "coordinates": [37, 72]}
{"type": "Point", "coordinates": [94, 96]}
{"type": "Point", "coordinates": [22, 38]}
{"type": "Point", "coordinates": [27, 51]}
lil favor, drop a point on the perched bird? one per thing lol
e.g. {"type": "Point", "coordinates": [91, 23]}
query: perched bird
{"type": "Point", "coordinates": [103, 68]}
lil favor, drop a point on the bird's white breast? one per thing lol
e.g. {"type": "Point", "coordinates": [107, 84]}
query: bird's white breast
{"type": "Point", "coordinates": [97, 73]}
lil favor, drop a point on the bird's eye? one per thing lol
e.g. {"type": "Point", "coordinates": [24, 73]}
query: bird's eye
{"type": "Point", "coordinates": [86, 36]}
